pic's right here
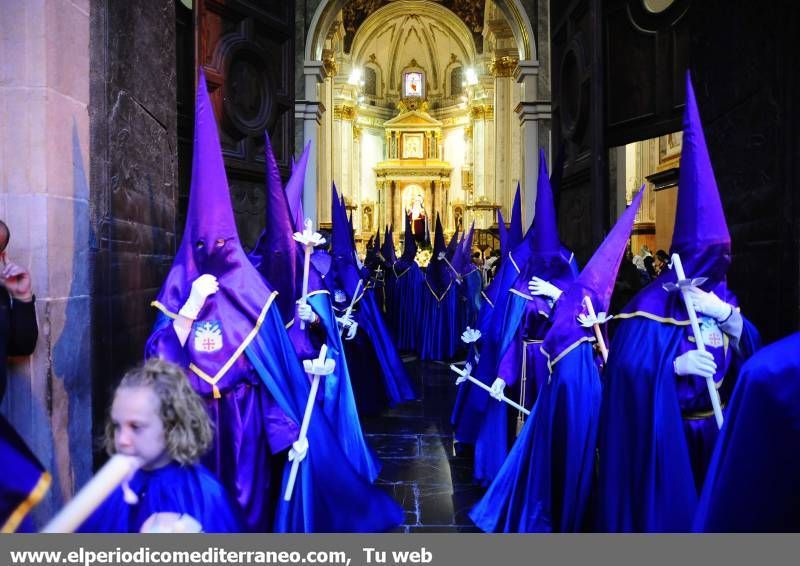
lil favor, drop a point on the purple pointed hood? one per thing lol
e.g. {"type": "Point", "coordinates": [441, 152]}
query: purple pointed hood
{"type": "Point", "coordinates": [351, 231]}
{"type": "Point", "coordinates": [515, 230]}
{"type": "Point", "coordinates": [545, 238]}
{"type": "Point", "coordinates": [462, 260]}
{"type": "Point", "coordinates": [376, 248]}
{"type": "Point", "coordinates": [596, 281]}
{"type": "Point", "coordinates": [340, 239]}
{"type": "Point", "coordinates": [211, 245]}
{"type": "Point", "coordinates": [451, 245]}
{"type": "Point", "coordinates": [409, 251]}
{"type": "Point", "coordinates": [371, 256]}
{"type": "Point", "coordinates": [700, 236]}
{"type": "Point", "coordinates": [542, 234]}
{"type": "Point", "coordinates": [503, 234]}
{"type": "Point", "coordinates": [540, 253]}
{"type": "Point", "coordinates": [438, 274]}
{"type": "Point", "coordinates": [387, 249]}
{"type": "Point", "coordinates": [344, 274]}
{"type": "Point", "coordinates": [294, 189]}
{"type": "Point", "coordinates": [275, 254]}
{"type": "Point", "coordinates": [519, 257]}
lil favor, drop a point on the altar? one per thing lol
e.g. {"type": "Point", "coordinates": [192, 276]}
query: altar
{"type": "Point", "coordinates": [413, 181]}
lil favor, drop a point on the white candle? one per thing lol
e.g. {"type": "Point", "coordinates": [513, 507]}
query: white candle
{"type": "Point", "coordinates": [116, 470]}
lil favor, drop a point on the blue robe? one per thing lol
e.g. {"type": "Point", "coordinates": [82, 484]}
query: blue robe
{"type": "Point", "coordinates": [492, 418]}
{"type": "Point", "coordinates": [377, 373]}
{"type": "Point", "coordinates": [439, 328]}
{"type": "Point", "coordinates": [496, 321]}
{"type": "Point", "coordinates": [652, 458]}
{"type": "Point", "coordinates": [397, 386]}
{"type": "Point", "coordinates": [23, 481]}
{"type": "Point", "coordinates": [250, 428]}
{"type": "Point", "coordinates": [753, 482]}
{"type": "Point", "coordinates": [470, 293]}
{"type": "Point", "coordinates": [330, 495]}
{"type": "Point", "coordinates": [497, 333]}
{"type": "Point", "coordinates": [404, 303]}
{"type": "Point", "coordinates": [545, 483]}
{"type": "Point", "coordinates": [190, 490]}
{"type": "Point", "coordinates": [255, 424]}
{"type": "Point", "coordinates": [338, 401]}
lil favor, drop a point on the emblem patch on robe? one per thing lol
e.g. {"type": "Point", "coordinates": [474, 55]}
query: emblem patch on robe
{"type": "Point", "coordinates": [339, 296]}
{"type": "Point", "coordinates": [207, 336]}
{"type": "Point", "coordinates": [710, 332]}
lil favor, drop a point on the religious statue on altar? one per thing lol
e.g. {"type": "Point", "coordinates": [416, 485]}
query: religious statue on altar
{"type": "Point", "coordinates": [418, 217]}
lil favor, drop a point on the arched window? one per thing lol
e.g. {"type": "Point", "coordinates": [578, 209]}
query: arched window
{"type": "Point", "coordinates": [370, 82]}
{"type": "Point", "coordinates": [457, 81]}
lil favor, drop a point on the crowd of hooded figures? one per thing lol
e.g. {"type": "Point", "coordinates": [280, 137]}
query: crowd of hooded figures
{"type": "Point", "coordinates": [663, 415]}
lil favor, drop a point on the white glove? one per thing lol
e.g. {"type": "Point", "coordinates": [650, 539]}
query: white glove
{"type": "Point", "coordinates": [202, 287]}
{"type": "Point", "coordinates": [467, 371]}
{"type": "Point", "coordinates": [350, 325]}
{"type": "Point", "coordinates": [299, 450]}
{"type": "Point", "coordinates": [306, 314]}
{"type": "Point", "coordinates": [470, 335]}
{"type": "Point", "coordinates": [168, 522]}
{"type": "Point", "coordinates": [695, 362]}
{"type": "Point", "coordinates": [709, 304]}
{"type": "Point", "coordinates": [541, 287]}
{"type": "Point", "coordinates": [497, 388]}
{"type": "Point", "coordinates": [351, 331]}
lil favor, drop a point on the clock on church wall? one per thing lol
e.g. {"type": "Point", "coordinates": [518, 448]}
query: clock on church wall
{"type": "Point", "coordinates": [414, 84]}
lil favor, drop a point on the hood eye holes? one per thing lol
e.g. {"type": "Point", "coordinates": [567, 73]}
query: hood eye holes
{"type": "Point", "coordinates": [200, 244]}
{"type": "Point", "coordinates": [220, 242]}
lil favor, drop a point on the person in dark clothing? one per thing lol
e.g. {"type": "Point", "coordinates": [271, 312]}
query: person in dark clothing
{"type": "Point", "coordinates": [649, 265]}
{"type": "Point", "coordinates": [24, 482]}
{"type": "Point", "coordinates": [628, 283]}
{"type": "Point", "coordinates": [661, 261]}
{"type": "Point", "coordinates": [18, 332]}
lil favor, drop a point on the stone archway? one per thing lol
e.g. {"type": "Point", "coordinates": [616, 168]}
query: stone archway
{"type": "Point", "coordinates": [513, 10]}
{"type": "Point", "coordinates": [530, 111]}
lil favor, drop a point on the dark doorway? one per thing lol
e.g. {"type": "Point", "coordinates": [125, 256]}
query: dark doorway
{"type": "Point", "coordinates": [618, 71]}
{"type": "Point", "coordinates": [246, 49]}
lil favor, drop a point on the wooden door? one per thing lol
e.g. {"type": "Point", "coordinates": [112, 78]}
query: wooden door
{"type": "Point", "coordinates": [246, 49]}
{"type": "Point", "coordinates": [618, 71]}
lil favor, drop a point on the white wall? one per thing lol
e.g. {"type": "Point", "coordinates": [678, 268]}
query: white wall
{"type": "Point", "coordinates": [371, 154]}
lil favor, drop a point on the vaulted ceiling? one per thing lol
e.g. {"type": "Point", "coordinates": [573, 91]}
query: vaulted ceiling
{"type": "Point", "coordinates": [356, 11]}
{"type": "Point", "coordinates": [420, 33]}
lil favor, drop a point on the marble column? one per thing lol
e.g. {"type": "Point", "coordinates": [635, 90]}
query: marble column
{"type": "Point", "coordinates": [533, 115]}
{"type": "Point", "coordinates": [355, 168]}
{"type": "Point", "coordinates": [310, 110]}
{"type": "Point", "coordinates": [326, 144]}
{"type": "Point", "coordinates": [342, 154]}
{"type": "Point", "coordinates": [380, 212]}
{"type": "Point", "coordinates": [490, 153]}
{"type": "Point", "coordinates": [504, 194]}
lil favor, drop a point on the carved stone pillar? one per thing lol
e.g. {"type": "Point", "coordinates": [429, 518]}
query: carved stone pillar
{"type": "Point", "coordinates": [478, 150]}
{"type": "Point", "coordinates": [531, 113]}
{"type": "Point", "coordinates": [502, 69]}
{"type": "Point", "coordinates": [310, 110]}
{"type": "Point", "coordinates": [380, 212]}
{"type": "Point", "coordinates": [438, 202]}
{"type": "Point", "coordinates": [46, 200]}
{"type": "Point", "coordinates": [355, 167]}
{"type": "Point", "coordinates": [342, 153]}
{"type": "Point", "coordinates": [447, 216]}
